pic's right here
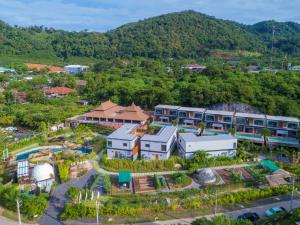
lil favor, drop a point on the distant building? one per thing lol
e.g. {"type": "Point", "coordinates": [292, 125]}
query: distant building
{"type": "Point", "coordinates": [159, 146]}
{"type": "Point", "coordinates": [59, 91]}
{"type": "Point", "coordinates": [111, 114]}
{"type": "Point", "coordinates": [283, 126]}
{"type": "Point", "coordinates": [81, 83]}
{"type": "Point", "coordinates": [219, 145]}
{"type": "Point", "coordinates": [219, 120]}
{"type": "Point", "coordinates": [123, 143]}
{"type": "Point", "coordinates": [293, 68]}
{"type": "Point", "coordinates": [75, 69]}
{"type": "Point", "coordinates": [195, 67]}
{"type": "Point", "coordinates": [166, 113]}
{"type": "Point", "coordinates": [20, 96]}
{"type": "Point", "coordinates": [253, 69]}
{"type": "Point", "coordinates": [7, 70]}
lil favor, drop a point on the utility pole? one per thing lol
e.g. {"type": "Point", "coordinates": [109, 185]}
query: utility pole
{"type": "Point", "coordinates": [216, 203]}
{"type": "Point", "coordinates": [292, 196]}
{"type": "Point", "coordinates": [97, 211]}
{"type": "Point", "coordinates": [19, 214]}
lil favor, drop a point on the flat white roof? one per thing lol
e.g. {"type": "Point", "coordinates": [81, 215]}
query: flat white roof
{"type": "Point", "coordinates": [219, 112]}
{"type": "Point", "coordinates": [250, 115]}
{"type": "Point", "coordinates": [191, 109]}
{"type": "Point", "coordinates": [74, 66]}
{"type": "Point", "coordinates": [167, 106]}
{"type": "Point", "coordinates": [191, 137]}
{"type": "Point", "coordinates": [163, 135]}
{"type": "Point", "coordinates": [124, 132]}
{"type": "Point", "coordinates": [283, 118]}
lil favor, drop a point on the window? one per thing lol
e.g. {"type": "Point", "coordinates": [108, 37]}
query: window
{"type": "Point", "coordinates": [173, 112]}
{"type": "Point", "coordinates": [292, 125]}
{"type": "Point", "coordinates": [241, 120]}
{"type": "Point", "coordinates": [124, 144]}
{"type": "Point", "coordinates": [182, 114]}
{"type": "Point", "coordinates": [258, 122]}
{"type": "Point", "coordinates": [226, 119]}
{"type": "Point", "coordinates": [210, 118]}
{"type": "Point", "coordinates": [164, 148]}
{"type": "Point", "coordinates": [147, 145]}
{"type": "Point", "coordinates": [198, 115]}
{"type": "Point", "coordinates": [109, 143]}
{"type": "Point", "coordinates": [234, 145]}
{"type": "Point", "coordinates": [272, 124]}
{"type": "Point", "coordinates": [158, 111]}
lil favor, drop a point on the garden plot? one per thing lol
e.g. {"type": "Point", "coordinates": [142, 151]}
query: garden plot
{"type": "Point", "coordinates": [116, 189]}
{"type": "Point", "coordinates": [143, 185]}
{"type": "Point", "coordinates": [225, 175]}
{"type": "Point", "coordinates": [246, 176]}
{"type": "Point", "coordinates": [178, 180]}
{"type": "Point", "coordinates": [230, 176]}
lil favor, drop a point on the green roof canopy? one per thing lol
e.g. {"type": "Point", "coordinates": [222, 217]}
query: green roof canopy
{"type": "Point", "coordinates": [125, 177]}
{"type": "Point", "coordinates": [268, 164]}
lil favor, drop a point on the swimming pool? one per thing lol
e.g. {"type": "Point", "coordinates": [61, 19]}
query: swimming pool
{"type": "Point", "coordinates": [283, 140]}
{"type": "Point", "coordinates": [250, 136]}
{"type": "Point", "coordinates": [215, 132]}
{"type": "Point", "coordinates": [159, 124]}
{"type": "Point", "coordinates": [25, 155]}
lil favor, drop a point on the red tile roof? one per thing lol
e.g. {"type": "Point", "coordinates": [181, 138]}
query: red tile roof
{"type": "Point", "coordinates": [60, 90]}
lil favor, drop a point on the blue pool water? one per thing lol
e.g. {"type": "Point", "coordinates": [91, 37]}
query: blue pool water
{"type": "Point", "coordinates": [251, 136]}
{"type": "Point", "coordinates": [25, 155]}
{"type": "Point", "coordinates": [159, 124]}
{"type": "Point", "coordinates": [215, 132]}
{"type": "Point", "coordinates": [282, 140]}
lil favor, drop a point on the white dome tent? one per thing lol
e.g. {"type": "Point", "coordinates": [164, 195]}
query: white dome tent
{"type": "Point", "coordinates": [206, 176]}
{"type": "Point", "coordinates": [43, 175]}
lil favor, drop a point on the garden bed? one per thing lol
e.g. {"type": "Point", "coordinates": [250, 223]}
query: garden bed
{"type": "Point", "coordinates": [143, 185]}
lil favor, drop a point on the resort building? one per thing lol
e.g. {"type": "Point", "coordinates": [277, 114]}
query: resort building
{"type": "Point", "coordinates": [195, 67]}
{"type": "Point", "coordinates": [75, 69]}
{"type": "Point", "coordinates": [218, 145]}
{"type": "Point", "coordinates": [123, 143]}
{"type": "Point", "coordinates": [112, 115]}
{"type": "Point", "coordinates": [160, 145]}
{"type": "Point", "coordinates": [249, 123]}
{"type": "Point", "coordinates": [166, 113]}
{"type": "Point", "coordinates": [59, 92]}
{"type": "Point", "coordinates": [218, 120]}
{"type": "Point", "coordinates": [190, 116]}
{"type": "Point", "coordinates": [283, 126]}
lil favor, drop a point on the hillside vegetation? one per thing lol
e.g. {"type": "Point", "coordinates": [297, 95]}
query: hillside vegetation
{"type": "Point", "coordinates": [185, 34]}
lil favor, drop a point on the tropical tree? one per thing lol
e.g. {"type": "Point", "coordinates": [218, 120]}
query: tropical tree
{"type": "Point", "coordinates": [201, 126]}
{"type": "Point", "coordinates": [174, 122]}
{"type": "Point", "coordinates": [265, 133]}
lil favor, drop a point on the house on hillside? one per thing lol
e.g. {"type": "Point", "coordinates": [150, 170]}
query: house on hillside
{"type": "Point", "coordinates": [283, 126]}
{"type": "Point", "coordinates": [219, 120]}
{"type": "Point", "coordinates": [249, 122]}
{"type": "Point", "coordinates": [166, 113]}
{"type": "Point", "coordinates": [194, 67]}
{"type": "Point", "coordinates": [190, 116]}
{"type": "Point", "coordinates": [75, 69]}
{"type": "Point", "coordinates": [159, 146]}
{"type": "Point", "coordinates": [218, 145]}
{"type": "Point", "coordinates": [59, 92]}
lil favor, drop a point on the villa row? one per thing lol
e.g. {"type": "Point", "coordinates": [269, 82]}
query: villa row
{"type": "Point", "coordinates": [131, 142]}
{"type": "Point", "coordinates": [224, 120]}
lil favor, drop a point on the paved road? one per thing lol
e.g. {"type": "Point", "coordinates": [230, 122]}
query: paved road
{"type": "Point", "coordinates": [260, 210]}
{"type": "Point", "coordinates": [59, 198]}
{"type": "Point", "coordinates": [5, 221]}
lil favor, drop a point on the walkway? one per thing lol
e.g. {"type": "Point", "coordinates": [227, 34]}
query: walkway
{"type": "Point", "coordinates": [6, 221]}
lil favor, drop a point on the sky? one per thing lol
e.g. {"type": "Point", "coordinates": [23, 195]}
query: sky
{"type": "Point", "coordinates": [104, 15]}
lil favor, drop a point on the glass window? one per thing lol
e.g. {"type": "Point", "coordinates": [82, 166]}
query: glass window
{"type": "Point", "coordinates": [198, 115]}
{"type": "Point", "coordinates": [272, 124]}
{"type": "Point", "coordinates": [241, 120]}
{"type": "Point", "coordinates": [292, 125]}
{"type": "Point", "coordinates": [234, 145]}
{"type": "Point", "coordinates": [182, 114]}
{"type": "Point", "coordinates": [259, 122]}
{"type": "Point", "coordinates": [124, 144]}
{"type": "Point", "coordinates": [226, 119]}
{"type": "Point", "coordinates": [210, 118]}
{"type": "Point", "coordinates": [173, 112]}
{"type": "Point", "coordinates": [147, 145]}
{"type": "Point", "coordinates": [164, 148]}
{"type": "Point", "coordinates": [158, 111]}
{"type": "Point", "coordinates": [109, 143]}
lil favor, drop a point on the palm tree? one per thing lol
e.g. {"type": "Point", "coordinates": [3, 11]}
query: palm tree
{"type": "Point", "coordinates": [232, 131]}
{"type": "Point", "coordinates": [174, 122]}
{"type": "Point", "coordinates": [201, 126]}
{"type": "Point", "coordinates": [265, 133]}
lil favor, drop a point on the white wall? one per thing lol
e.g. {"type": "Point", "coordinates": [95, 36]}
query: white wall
{"type": "Point", "coordinates": [155, 155]}
{"type": "Point", "coordinates": [118, 144]}
{"type": "Point", "coordinates": [112, 152]}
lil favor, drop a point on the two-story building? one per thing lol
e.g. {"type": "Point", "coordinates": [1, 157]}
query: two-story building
{"type": "Point", "coordinates": [219, 120]}
{"type": "Point", "coordinates": [160, 145]}
{"type": "Point", "coordinates": [190, 116]}
{"type": "Point", "coordinates": [283, 126]}
{"type": "Point", "coordinates": [218, 145]}
{"type": "Point", "coordinates": [249, 122]}
{"type": "Point", "coordinates": [166, 113]}
{"type": "Point", "coordinates": [123, 143]}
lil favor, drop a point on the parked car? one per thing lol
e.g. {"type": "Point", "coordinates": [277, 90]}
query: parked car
{"type": "Point", "coordinates": [275, 211]}
{"type": "Point", "coordinates": [252, 216]}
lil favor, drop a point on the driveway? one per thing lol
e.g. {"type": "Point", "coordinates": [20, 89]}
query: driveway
{"type": "Point", "coordinates": [59, 199]}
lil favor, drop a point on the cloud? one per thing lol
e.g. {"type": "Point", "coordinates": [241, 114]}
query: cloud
{"type": "Point", "coordinates": [102, 15]}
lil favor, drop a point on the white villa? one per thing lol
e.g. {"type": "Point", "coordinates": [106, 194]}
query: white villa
{"type": "Point", "coordinates": [219, 145]}
{"type": "Point", "coordinates": [159, 146]}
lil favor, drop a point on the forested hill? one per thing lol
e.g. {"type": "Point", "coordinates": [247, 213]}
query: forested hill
{"type": "Point", "coordinates": [178, 35]}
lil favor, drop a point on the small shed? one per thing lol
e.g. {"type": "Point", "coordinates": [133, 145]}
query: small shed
{"type": "Point", "coordinates": [125, 178]}
{"type": "Point", "coordinates": [269, 165]}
